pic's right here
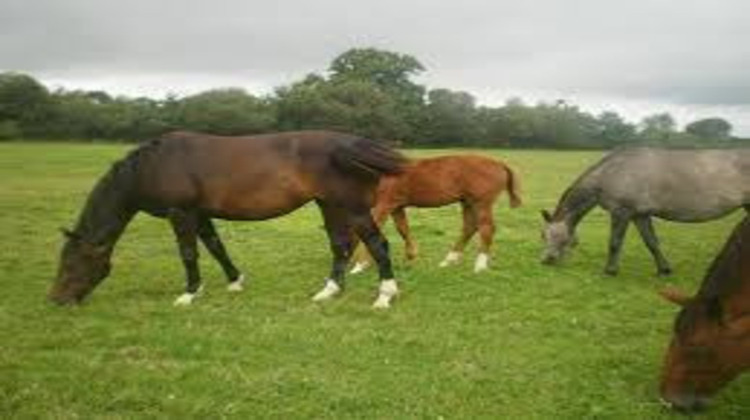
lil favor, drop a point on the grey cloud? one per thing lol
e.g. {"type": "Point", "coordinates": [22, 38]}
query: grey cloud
{"type": "Point", "coordinates": [662, 50]}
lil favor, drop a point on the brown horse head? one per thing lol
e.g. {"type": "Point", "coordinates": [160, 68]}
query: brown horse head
{"type": "Point", "coordinates": [709, 349]}
{"type": "Point", "coordinates": [82, 267]}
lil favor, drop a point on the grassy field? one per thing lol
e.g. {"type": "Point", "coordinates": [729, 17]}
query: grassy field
{"type": "Point", "coordinates": [521, 341]}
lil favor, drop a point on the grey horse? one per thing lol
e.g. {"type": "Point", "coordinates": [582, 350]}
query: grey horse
{"type": "Point", "coordinates": [635, 184]}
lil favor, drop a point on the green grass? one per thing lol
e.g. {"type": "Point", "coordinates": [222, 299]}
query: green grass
{"type": "Point", "coordinates": [520, 341]}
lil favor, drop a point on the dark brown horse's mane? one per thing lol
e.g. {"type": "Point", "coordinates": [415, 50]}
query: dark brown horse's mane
{"type": "Point", "coordinates": [108, 200]}
{"type": "Point", "coordinates": [722, 279]}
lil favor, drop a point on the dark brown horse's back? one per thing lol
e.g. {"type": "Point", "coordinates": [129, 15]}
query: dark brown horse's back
{"type": "Point", "coordinates": [239, 177]}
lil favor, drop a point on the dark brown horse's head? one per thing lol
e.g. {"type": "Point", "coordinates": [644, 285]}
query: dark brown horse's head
{"type": "Point", "coordinates": [83, 266]}
{"type": "Point", "coordinates": [709, 348]}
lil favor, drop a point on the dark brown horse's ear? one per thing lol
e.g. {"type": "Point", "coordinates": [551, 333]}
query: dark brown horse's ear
{"type": "Point", "coordinates": [675, 295]}
{"type": "Point", "coordinates": [546, 216]}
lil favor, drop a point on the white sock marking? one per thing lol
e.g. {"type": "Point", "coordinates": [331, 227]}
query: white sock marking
{"type": "Point", "coordinates": [387, 291]}
{"type": "Point", "coordinates": [452, 258]}
{"type": "Point", "coordinates": [186, 299]}
{"type": "Point", "coordinates": [359, 267]}
{"type": "Point", "coordinates": [236, 286]}
{"type": "Point", "coordinates": [482, 263]}
{"type": "Point", "coordinates": [330, 290]}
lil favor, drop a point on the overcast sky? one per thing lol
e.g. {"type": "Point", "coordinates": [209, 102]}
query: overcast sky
{"type": "Point", "coordinates": [637, 57]}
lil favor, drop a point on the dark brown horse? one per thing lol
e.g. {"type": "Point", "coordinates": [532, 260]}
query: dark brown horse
{"type": "Point", "coordinates": [190, 178]}
{"type": "Point", "coordinates": [473, 181]}
{"type": "Point", "coordinates": [711, 343]}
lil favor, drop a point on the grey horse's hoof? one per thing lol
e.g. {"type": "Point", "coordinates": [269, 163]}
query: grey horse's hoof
{"type": "Point", "coordinates": [611, 271]}
{"type": "Point", "coordinates": [664, 272]}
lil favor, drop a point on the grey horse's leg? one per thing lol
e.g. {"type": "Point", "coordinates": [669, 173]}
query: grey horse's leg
{"type": "Point", "coordinates": [646, 229]}
{"type": "Point", "coordinates": [618, 228]}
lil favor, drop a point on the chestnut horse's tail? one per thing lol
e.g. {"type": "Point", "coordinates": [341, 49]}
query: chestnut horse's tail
{"type": "Point", "coordinates": [368, 158]}
{"type": "Point", "coordinates": [513, 187]}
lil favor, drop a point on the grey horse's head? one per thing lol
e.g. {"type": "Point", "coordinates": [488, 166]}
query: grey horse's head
{"type": "Point", "coordinates": [558, 237]}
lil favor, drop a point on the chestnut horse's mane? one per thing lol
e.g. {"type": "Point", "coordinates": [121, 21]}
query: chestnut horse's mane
{"type": "Point", "coordinates": [722, 279]}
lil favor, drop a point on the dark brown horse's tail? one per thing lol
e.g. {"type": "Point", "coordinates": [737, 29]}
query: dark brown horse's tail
{"type": "Point", "coordinates": [513, 187]}
{"type": "Point", "coordinates": [368, 158]}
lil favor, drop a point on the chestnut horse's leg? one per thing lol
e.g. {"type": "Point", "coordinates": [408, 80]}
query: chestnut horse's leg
{"type": "Point", "coordinates": [365, 227]}
{"type": "Point", "coordinates": [468, 229]}
{"type": "Point", "coordinates": [646, 229]}
{"type": "Point", "coordinates": [402, 225]}
{"type": "Point", "coordinates": [486, 225]}
{"type": "Point", "coordinates": [185, 226]}
{"type": "Point", "coordinates": [212, 241]}
{"type": "Point", "coordinates": [342, 241]}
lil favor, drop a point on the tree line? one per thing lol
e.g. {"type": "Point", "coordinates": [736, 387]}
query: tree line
{"type": "Point", "coordinates": [365, 91]}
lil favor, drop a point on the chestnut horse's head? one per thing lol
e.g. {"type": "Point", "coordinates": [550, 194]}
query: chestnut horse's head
{"type": "Point", "coordinates": [83, 266]}
{"type": "Point", "coordinates": [709, 348]}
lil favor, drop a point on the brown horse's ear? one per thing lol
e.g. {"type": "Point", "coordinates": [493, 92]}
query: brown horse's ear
{"type": "Point", "coordinates": [675, 295]}
{"type": "Point", "coordinates": [546, 216]}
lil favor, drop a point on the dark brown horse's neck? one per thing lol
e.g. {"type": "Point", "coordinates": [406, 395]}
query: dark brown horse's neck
{"type": "Point", "coordinates": [108, 210]}
{"type": "Point", "coordinates": [575, 204]}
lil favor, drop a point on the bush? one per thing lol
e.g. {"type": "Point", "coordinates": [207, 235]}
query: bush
{"type": "Point", "coordinates": [9, 130]}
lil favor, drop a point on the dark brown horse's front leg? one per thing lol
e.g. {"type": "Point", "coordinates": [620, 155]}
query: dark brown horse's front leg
{"type": "Point", "coordinates": [212, 241]}
{"type": "Point", "coordinates": [185, 226]}
{"type": "Point", "coordinates": [365, 227]}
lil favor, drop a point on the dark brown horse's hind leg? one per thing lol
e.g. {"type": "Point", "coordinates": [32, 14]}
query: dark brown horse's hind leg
{"type": "Point", "coordinates": [342, 242]}
{"type": "Point", "coordinates": [212, 241]}
{"type": "Point", "coordinates": [185, 226]}
{"type": "Point", "coordinates": [364, 226]}
{"type": "Point", "coordinates": [646, 229]}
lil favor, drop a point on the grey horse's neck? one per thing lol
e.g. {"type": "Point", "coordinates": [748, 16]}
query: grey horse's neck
{"type": "Point", "coordinates": [577, 201]}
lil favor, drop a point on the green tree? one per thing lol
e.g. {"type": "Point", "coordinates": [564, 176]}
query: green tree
{"type": "Point", "coordinates": [613, 130]}
{"type": "Point", "coordinates": [348, 105]}
{"type": "Point", "coordinates": [451, 117]}
{"type": "Point", "coordinates": [228, 111]}
{"type": "Point", "coordinates": [24, 102]}
{"type": "Point", "coordinates": [657, 128]}
{"type": "Point", "coordinates": [710, 128]}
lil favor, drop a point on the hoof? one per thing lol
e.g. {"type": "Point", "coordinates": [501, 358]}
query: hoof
{"type": "Point", "coordinates": [186, 299]}
{"type": "Point", "coordinates": [482, 263]}
{"type": "Point", "coordinates": [237, 284]}
{"type": "Point", "coordinates": [453, 257]}
{"type": "Point", "coordinates": [665, 272]}
{"type": "Point", "coordinates": [611, 271]}
{"type": "Point", "coordinates": [359, 267]}
{"type": "Point", "coordinates": [330, 290]}
{"type": "Point", "coordinates": [387, 291]}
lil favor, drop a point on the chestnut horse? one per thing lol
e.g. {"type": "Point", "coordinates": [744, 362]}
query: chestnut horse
{"type": "Point", "coordinates": [473, 181]}
{"type": "Point", "coordinates": [190, 178]}
{"type": "Point", "coordinates": [711, 343]}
